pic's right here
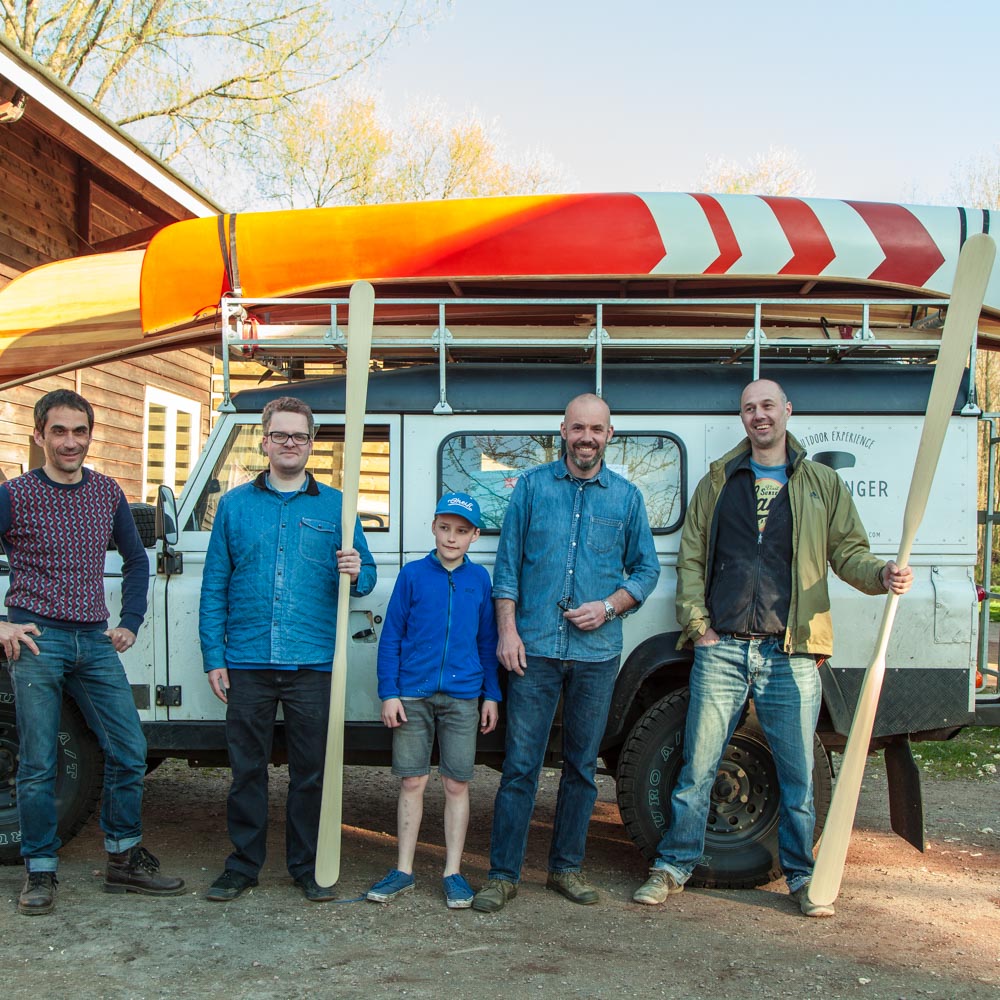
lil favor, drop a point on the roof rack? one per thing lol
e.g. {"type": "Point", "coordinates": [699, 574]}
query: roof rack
{"type": "Point", "coordinates": [304, 337]}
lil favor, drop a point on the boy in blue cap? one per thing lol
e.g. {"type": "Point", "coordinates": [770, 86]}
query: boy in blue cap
{"type": "Point", "coordinates": [436, 656]}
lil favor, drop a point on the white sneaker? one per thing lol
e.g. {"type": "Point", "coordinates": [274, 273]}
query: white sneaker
{"type": "Point", "coordinates": [808, 907]}
{"type": "Point", "coordinates": [657, 888]}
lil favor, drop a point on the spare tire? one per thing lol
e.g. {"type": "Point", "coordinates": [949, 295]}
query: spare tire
{"type": "Point", "coordinates": [79, 775]}
{"type": "Point", "coordinates": [144, 515]}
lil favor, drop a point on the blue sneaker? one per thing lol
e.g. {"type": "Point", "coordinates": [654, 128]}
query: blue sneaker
{"type": "Point", "coordinates": [457, 892]}
{"type": "Point", "coordinates": [393, 885]}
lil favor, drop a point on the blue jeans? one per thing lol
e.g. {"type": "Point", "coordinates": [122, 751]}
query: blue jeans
{"type": "Point", "coordinates": [786, 695]}
{"type": "Point", "coordinates": [531, 705]}
{"type": "Point", "coordinates": [254, 696]}
{"type": "Point", "coordinates": [85, 665]}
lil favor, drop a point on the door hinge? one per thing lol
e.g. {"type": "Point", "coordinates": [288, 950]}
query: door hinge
{"type": "Point", "coordinates": [168, 695]}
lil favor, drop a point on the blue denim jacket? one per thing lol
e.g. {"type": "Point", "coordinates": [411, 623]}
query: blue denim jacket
{"type": "Point", "coordinates": [269, 589]}
{"type": "Point", "coordinates": [564, 537]}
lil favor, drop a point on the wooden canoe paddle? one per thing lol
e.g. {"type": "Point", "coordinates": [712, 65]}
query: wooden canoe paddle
{"type": "Point", "coordinates": [975, 263]}
{"type": "Point", "coordinates": [361, 311]}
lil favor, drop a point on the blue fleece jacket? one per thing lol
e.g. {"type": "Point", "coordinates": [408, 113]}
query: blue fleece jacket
{"type": "Point", "coordinates": [439, 634]}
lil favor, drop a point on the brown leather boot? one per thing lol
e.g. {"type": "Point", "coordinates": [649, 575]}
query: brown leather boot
{"type": "Point", "coordinates": [38, 895]}
{"type": "Point", "coordinates": [136, 870]}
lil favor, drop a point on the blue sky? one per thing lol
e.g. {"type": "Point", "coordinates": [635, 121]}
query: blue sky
{"type": "Point", "coordinates": [882, 100]}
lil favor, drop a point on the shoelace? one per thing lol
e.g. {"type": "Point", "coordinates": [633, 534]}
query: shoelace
{"type": "Point", "coordinates": [37, 879]}
{"type": "Point", "coordinates": [141, 858]}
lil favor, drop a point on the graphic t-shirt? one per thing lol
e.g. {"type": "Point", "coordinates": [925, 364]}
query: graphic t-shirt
{"type": "Point", "coordinates": [768, 481]}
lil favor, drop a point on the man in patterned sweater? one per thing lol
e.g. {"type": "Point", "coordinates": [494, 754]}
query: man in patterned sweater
{"type": "Point", "coordinates": [55, 524]}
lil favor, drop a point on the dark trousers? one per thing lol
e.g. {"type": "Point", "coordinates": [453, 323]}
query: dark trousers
{"type": "Point", "coordinates": [254, 696]}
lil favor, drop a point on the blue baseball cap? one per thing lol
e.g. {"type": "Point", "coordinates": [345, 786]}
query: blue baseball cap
{"type": "Point", "coordinates": [461, 504]}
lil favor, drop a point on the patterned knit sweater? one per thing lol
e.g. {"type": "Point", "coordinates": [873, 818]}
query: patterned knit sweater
{"type": "Point", "coordinates": [56, 537]}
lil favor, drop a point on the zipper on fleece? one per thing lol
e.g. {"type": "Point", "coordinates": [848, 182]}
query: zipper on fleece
{"type": "Point", "coordinates": [447, 630]}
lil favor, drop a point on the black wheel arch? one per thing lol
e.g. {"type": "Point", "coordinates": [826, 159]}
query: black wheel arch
{"type": "Point", "coordinates": [653, 669]}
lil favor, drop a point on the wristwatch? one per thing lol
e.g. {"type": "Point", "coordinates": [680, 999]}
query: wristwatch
{"type": "Point", "coordinates": [609, 612]}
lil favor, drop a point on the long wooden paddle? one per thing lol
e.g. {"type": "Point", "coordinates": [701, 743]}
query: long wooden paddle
{"type": "Point", "coordinates": [975, 263]}
{"type": "Point", "coordinates": [359, 346]}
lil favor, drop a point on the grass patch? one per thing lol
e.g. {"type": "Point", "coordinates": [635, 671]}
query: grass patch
{"type": "Point", "coordinates": [995, 611]}
{"type": "Point", "coordinates": [974, 753]}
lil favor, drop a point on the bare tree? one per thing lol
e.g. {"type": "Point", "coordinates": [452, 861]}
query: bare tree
{"type": "Point", "coordinates": [776, 172]}
{"type": "Point", "coordinates": [348, 152]}
{"type": "Point", "coordinates": [201, 81]}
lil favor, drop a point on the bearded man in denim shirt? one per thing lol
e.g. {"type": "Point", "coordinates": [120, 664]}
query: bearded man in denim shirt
{"type": "Point", "coordinates": [575, 555]}
{"type": "Point", "coordinates": [268, 623]}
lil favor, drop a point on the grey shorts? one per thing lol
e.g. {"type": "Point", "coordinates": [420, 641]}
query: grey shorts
{"type": "Point", "coordinates": [456, 721]}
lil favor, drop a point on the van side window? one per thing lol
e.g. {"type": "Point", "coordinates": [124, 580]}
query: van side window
{"type": "Point", "coordinates": [486, 466]}
{"type": "Point", "coordinates": [242, 461]}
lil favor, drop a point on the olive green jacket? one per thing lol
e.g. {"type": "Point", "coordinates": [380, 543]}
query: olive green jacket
{"type": "Point", "coordinates": [826, 529]}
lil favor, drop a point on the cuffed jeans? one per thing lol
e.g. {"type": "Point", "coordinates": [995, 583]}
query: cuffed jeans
{"type": "Point", "coordinates": [787, 694]}
{"type": "Point", "coordinates": [86, 666]}
{"type": "Point", "coordinates": [531, 705]}
{"type": "Point", "coordinates": [252, 708]}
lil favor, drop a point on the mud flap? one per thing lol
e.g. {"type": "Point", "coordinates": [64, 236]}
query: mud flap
{"type": "Point", "coordinates": [906, 803]}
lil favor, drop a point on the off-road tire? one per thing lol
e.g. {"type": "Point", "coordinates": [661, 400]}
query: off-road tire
{"type": "Point", "coordinates": [741, 843]}
{"type": "Point", "coordinates": [79, 777]}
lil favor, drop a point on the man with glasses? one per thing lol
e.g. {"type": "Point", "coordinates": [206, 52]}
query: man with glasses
{"type": "Point", "coordinates": [575, 555]}
{"type": "Point", "coordinates": [268, 622]}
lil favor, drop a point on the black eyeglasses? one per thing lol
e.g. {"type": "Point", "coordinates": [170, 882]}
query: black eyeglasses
{"type": "Point", "coordinates": [280, 437]}
{"type": "Point", "coordinates": [566, 604]}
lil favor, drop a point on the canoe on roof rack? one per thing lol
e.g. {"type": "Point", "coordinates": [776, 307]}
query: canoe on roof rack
{"type": "Point", "coordinates": [640, 267]}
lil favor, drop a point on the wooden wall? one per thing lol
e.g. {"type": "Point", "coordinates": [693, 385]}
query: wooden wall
{"type": "Point", "coordinates": [39, 211]}
{"type": "Point", "coordinates": [117, 392]}
{"type": "Point", "coordinates": [45, 200]}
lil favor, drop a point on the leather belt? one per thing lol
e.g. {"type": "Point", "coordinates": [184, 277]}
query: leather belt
{"type": "Point", "coordinates": [748, 636]}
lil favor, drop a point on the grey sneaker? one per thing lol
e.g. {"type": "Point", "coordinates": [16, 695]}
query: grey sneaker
{"type": "Point", "coordinates": [574, 886]}
{"type": "Point", "coordinates": [494, 897]}
{"type": "Point", "coordinates": [808, 907]}
{"type": "Point", "coordinates": [657, 888]}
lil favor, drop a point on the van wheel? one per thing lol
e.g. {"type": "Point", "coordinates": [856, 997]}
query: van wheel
{"type": "Point", "coordinates": [79, 779]}
{"type": "Point", "coordinates": [741, 842]}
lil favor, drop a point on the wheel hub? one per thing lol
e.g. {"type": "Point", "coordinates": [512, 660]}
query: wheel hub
{"type": "Point", "coordinates": [745, 793]}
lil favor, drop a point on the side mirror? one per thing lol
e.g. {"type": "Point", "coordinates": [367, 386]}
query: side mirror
{"type": "Point", "coordinates": [166, 515]}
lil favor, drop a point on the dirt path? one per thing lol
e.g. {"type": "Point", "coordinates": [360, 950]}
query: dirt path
{"type": "Point", "coordinates": [908, 925]}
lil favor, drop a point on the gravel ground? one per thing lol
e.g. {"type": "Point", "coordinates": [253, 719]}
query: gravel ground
{"type": "Point", "coordinates": [908, 925]}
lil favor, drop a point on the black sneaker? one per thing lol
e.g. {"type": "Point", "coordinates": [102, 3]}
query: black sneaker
{"type": "Point", "coordinates": [229, 885]}
{"type": "Point", "coordinates": [313, 891]}
{"type": "Point", "coordinates": [38, 895]}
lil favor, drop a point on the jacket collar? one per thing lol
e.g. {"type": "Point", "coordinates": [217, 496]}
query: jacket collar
{"type": "Point", "coordinates": [739, 457]}
{"type": "Point", "coordinates": [261, 483]}
{"type": "Point", "coordinates": [433, 557]}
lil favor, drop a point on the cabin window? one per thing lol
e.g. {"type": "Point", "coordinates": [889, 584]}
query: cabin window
{"type": "Point", "coordinates": [172, 432]}
{"type": "Point", "coordinates": [242, 461]}
{"type": "Point", "coordinates": [487, 466]}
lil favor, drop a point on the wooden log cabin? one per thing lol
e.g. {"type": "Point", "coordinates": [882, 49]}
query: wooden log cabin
{"type": "Point", "coordinates": [73, 184]}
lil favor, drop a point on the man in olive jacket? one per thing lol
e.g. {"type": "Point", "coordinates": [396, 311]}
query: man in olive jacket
{"type": "Point", "coordinates": [761, 530]}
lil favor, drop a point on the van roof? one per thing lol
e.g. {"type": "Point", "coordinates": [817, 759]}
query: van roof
{"type": "Point", "coordinates": [844, 388]}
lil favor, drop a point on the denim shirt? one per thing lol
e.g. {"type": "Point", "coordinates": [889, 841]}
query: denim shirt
{"type": "Point", "coordinates": [580, 539]}
{"type": "Point", "coordinates": [269, 589]}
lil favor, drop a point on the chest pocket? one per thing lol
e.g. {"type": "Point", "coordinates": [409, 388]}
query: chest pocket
{"type": "Point", "coordinates": [603, 534]}
{"type": "Point", "coordinates": [319, 540]}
